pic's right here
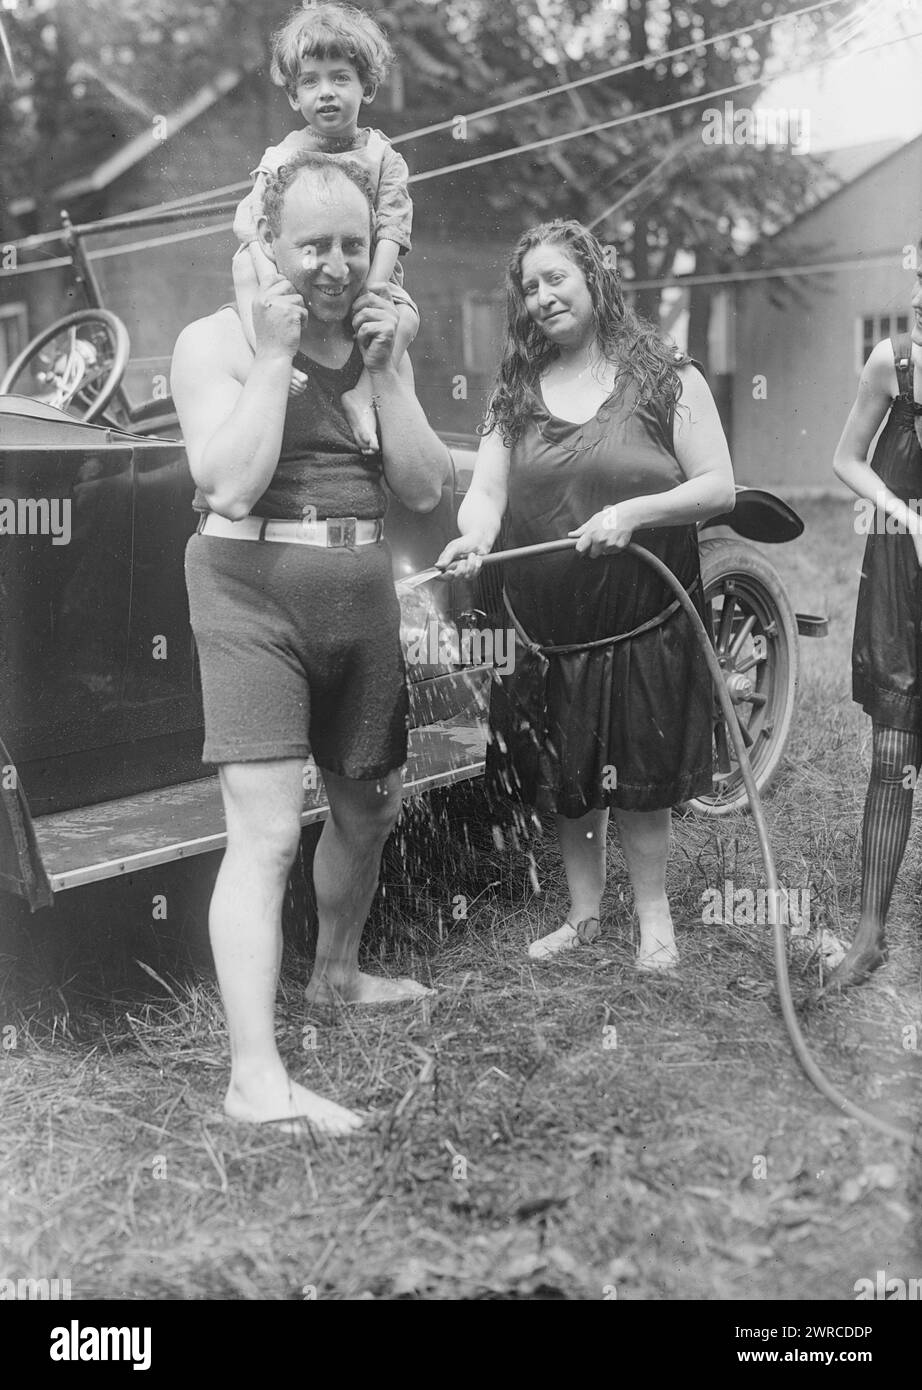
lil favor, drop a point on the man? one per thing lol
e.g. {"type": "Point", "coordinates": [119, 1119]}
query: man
{"type": "Point", "coordinates": [294, 610]}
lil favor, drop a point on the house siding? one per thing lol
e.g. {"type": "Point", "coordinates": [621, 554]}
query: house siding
{"type": "Point", "coordinates": [158, 289]}
{"type": "Point", "coordinates": [806, 351]}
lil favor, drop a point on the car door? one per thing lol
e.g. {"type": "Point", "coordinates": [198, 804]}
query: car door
{"type": "Point", "coordinates": [65, 584]}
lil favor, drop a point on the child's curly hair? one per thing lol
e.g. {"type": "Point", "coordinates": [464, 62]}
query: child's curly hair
{"type": "Point", "coordinates": [330, 31]}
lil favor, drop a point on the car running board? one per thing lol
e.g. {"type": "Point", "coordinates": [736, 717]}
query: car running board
{"type": "Point", "coordinates": [156, 827]}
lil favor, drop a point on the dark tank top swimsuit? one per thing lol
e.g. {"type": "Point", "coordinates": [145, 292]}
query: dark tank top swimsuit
{"type": "Point", "coordinates": [320, 464]}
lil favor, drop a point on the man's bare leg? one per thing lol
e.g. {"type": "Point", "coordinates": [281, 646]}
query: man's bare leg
{"type": "Point", "coordinates": [645, 842]}
{"type": "Point", "coordinates": [262, 806]}
{"type": "Point", "coordinates": [347, 862]}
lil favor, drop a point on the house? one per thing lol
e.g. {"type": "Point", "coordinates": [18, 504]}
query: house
{"type": "Point", "coordinates": [159, 277]}
{"type": "Point", "coordinates": [794, 359]}
{"type": "Point", "coordinates": [786, 344]}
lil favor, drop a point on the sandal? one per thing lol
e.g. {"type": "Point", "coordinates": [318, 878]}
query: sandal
{"type": "Point", "coordinates": [565, 938]}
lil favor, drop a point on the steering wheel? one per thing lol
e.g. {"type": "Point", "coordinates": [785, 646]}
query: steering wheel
{"type": "Point", "coordinates": [77, 361]}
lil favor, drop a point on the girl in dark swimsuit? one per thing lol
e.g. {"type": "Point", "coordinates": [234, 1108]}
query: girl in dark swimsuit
{"type": "Point", "coordinates": [887, 650]}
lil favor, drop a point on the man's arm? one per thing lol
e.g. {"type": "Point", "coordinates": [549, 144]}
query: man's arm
{"type": "Point", "coordinates": [416, 462]}
{"type": "Point", "coordinates": [231, 406]}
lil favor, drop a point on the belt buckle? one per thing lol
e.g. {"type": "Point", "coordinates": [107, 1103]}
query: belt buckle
{"type": "Point", "coordinates": [341, 530]}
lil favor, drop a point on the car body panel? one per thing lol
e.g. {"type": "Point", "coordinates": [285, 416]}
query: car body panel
{"type": "Point", "coordinates": [100, 704]}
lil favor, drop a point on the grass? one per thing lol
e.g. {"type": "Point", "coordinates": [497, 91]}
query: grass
{"type": "Point", "coordinates": [566, 1131]}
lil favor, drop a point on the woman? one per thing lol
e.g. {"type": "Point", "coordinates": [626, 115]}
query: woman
{"type": "Point", "coordinates": [597, 429]}
{"type": "Point", "coordinates": [887, 649]}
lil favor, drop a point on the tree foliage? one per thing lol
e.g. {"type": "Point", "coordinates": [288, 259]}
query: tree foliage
{"type": "Point", "coordinates": [670, 190]}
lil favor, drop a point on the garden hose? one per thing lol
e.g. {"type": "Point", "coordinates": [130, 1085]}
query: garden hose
{"type": "Point", "coordinates": [801, 1052]}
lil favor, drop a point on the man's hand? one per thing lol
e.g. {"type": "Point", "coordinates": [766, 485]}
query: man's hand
{"type": "Point", "coordinates": [279, 316]}
{"type": "Point", "coordinates": [609, 530]}
{"type": "Point", "coordinates": [374, 321]}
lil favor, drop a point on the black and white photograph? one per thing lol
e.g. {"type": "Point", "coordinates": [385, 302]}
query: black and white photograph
{"type": "Point", "coordinates": [461, 663]}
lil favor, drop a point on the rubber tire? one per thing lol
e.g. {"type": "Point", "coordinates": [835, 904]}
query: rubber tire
{"type": "Point", "coordinates": [121, 348]}
{"type": "Point", "coordinates": [720, 561]}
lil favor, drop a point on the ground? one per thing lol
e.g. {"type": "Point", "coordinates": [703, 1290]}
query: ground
{"type": "Point", "coordinates": [570, 1130]}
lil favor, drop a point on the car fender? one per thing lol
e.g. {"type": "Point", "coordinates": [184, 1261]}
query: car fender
{"type": "Point", "coordinates": [758, 516]}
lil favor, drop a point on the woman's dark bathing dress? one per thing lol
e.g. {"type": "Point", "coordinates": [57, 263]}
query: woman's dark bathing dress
{"type": "Point", "coordinates": [887, 646]}
{"type": "Point", "coordinates": [627, 723]}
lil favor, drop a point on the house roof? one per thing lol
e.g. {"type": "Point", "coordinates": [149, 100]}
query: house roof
{"type": "Point", "coordinates": [845, 166]}
{"type": "Point", "coordinates": [149, 133]}
{"type": "Point", "coordinates": [850, 161]}
{"type": "Point", "coordinates": [150, 139]}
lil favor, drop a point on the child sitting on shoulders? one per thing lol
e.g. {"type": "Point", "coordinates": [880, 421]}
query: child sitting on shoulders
{"type": "Point", "coordinates": [331, 59]}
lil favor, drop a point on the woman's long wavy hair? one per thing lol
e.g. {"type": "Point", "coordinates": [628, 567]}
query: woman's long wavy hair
{"type": "Point", "coordinates": [642, 357]}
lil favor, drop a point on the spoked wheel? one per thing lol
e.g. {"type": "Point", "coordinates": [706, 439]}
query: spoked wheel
{"type": "Point", "coordinates": [755, 636]}
{"type": "Point", "coordinates": [75, 365]}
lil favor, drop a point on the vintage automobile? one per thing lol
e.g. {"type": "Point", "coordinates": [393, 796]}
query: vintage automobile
{"type": "Point", "coordinates": [100, 711]}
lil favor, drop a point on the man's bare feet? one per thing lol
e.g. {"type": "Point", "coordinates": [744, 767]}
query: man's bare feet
{"type": "Point", "coordinates": [658, 950]}
{"type": "Point", "coordinates": [866, 954]}
{"type": "Point", "coordinates": [289, 1106]}
{"type": "Point", "coordinates": [365, 989]}
{"type": "Point", "coordinates": [361, 416]}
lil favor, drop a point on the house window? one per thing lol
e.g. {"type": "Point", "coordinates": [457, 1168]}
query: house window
{"type": "Point", "coordinates": [872, 328]}
{"type": "Point", "coordinates": [482, 321]}
{"type": "Point", "coordinates": [13, 333]}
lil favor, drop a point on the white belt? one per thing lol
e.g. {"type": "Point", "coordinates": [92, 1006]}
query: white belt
{"type": "Point", "coordinates": [335, 531]}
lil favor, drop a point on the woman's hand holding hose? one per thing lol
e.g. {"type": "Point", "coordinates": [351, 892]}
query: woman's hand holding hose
{"type": "Point", "coordinates": [462, 558]}
{"type": "Point", "coordinates": [607, 531]}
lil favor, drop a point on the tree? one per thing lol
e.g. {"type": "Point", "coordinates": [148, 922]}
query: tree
{"type": "Point", "coordinates": [82, 71]}
{"type": "Point", "coordinates": [655, 186]}
{"type": "Point", "coordinates": [81, 74]}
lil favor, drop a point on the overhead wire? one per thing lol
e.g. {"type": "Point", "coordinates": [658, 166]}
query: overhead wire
{"type": "Point", "coordinates": [650, 61]}
{"type": "Point", "coordinates": [567, 135]}
{"type": "Point", "coordinates": [649, 113]}
{"type": "Point", "coordinates": [561, 137]}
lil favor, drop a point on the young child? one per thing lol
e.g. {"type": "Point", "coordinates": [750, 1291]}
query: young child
{"type": "Point", "coordinates": [331, 59]}
{"type": "Point", "coordinates": [887, 646]}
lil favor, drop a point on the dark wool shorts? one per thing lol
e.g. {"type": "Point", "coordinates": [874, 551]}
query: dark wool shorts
{"type": "Point", "coordinates": [300, 654]}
